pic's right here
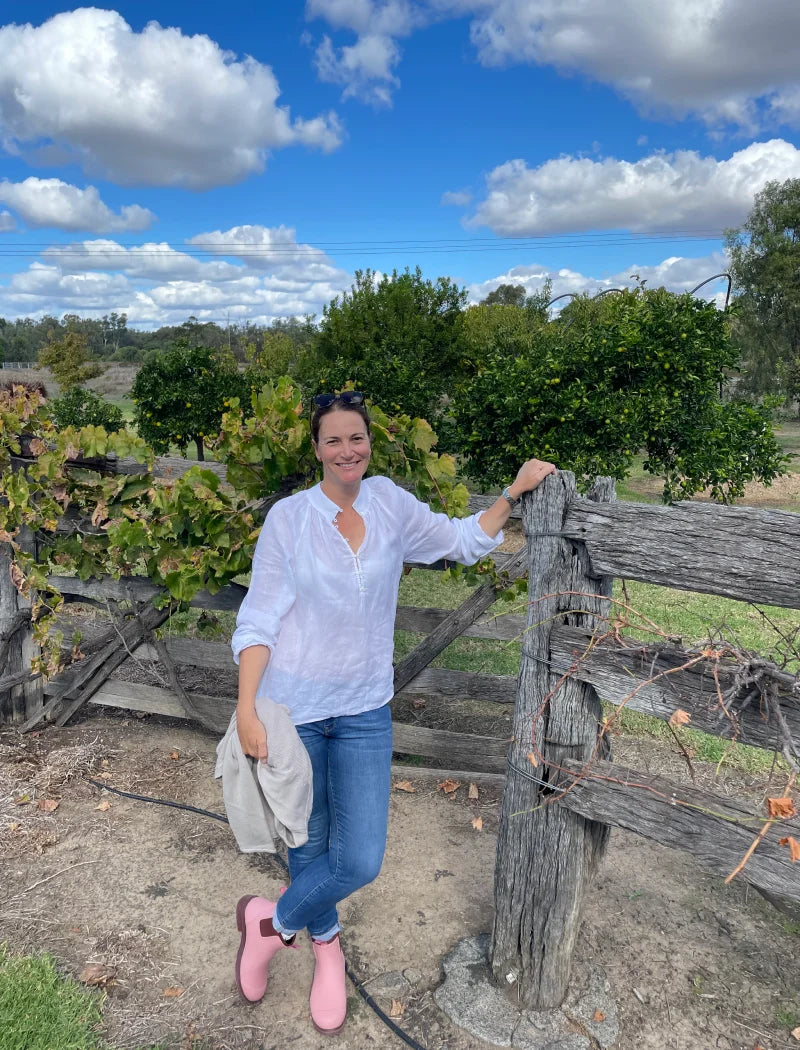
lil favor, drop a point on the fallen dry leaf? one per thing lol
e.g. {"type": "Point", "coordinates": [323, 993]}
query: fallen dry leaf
{"type": "Point", "coordinates": [15, 826]}
{"type": "Point", "coordinates": [397, 1008]}
{"type": "Point", "coordinates": [174, 754]}
{"type": "Point", "coordinates": [449, 786]}
{"type": "Point", "coordinates": [103, 806]}
{"type": "Point", "coordinates": [598, 1015]}
{"type": "Point", "coordinates": [794, 847]}
{"type": "Point", "coordinates": [781, 807]}
{"type": "Point", "coordinates": [404, 785]}
{"type": "Point", "coordinates": [477, 823]}
{"type": "Point", "coordinates": [105, 763]}
{"type": "Point", "coordinates": [48, 805]}
{"type": "Point", "coordinates": [97, 974]}
{"type": "Point", "coordinates": [796, 1033]}
{"type": "Point", "coordinates": [473, 791]}
{"type": "Point", "coordinates": [418, 703]}
{"type": "Point", "coordinates": [534, 761]}
{"type": "Point", "coordinates": [679, 717]}
{"type": "Point", "coordinates": [172, 993]}
{"type": "Point", "coordinates": [23, 800]}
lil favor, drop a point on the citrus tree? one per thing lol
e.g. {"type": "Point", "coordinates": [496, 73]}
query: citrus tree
{"type": "Point", "coordinates": [396, 336]}
{"type": "Point", "coordinates": [180, 395]}
{"type": "Point", "coordinates": [80, 407]}
{"type": "Point", "coordinates": [637, 371]}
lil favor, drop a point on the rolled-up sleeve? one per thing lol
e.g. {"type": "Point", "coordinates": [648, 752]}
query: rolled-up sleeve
{"type": "Point", "coordinates": [429, 536]}
{"type": "Point", "coordinates": [271, 592]}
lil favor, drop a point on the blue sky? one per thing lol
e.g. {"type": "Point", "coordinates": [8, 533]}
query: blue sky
{"type": "Point", "coordinates": [242, 161]}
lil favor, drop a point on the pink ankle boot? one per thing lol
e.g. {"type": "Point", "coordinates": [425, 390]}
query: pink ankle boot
{"type": "Point", "coordinates": [258, 944]}
{"type": "Point", "coordinates": [328, 994]}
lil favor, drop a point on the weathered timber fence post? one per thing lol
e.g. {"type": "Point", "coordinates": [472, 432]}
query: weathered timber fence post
{"type": "Point", "coordinates": [545, 853]}
{"type": "Point", "coordinates": [17, 647]}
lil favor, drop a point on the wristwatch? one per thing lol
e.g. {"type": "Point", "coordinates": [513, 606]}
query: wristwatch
{"type": "Point", "coordinates": [507, 496]}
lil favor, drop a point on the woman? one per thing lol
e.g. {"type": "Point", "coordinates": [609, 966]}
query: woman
{"type": "Point", "coordinates": [316, 632]}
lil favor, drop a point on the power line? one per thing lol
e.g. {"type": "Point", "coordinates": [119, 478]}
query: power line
{"type": "Point", "coordinates": [245, 250]}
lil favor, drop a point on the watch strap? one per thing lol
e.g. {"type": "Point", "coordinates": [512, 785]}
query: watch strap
{"type": "Point", "coordinates": [507, 496]}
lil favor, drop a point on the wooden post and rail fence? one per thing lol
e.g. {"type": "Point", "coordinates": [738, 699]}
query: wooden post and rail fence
{"type": "Point", "coordinates": [562, 792]}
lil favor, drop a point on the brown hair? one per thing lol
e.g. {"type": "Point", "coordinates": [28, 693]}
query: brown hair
{"type": "Point", "coordinates": [337, 405]}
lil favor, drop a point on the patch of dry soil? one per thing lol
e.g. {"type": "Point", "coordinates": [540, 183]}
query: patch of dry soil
{"type": "Point", "coordinates": [151, 891]}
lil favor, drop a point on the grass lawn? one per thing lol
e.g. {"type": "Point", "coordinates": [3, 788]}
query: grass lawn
{"type": "Point", "coordinates": [42, 1010]}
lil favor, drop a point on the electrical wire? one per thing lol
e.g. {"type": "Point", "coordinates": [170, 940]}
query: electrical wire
{"type": "Point", "coordinates": [409, 1040]}
{"type": "Point", "coordinates": [297, 252]}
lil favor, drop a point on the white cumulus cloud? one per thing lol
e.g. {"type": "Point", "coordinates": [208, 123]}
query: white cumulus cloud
{"type": "Point", "coordinates": [149, 261]}
{"type": "Point", "coordinates": [51, 202]}
{"type": "Point", "coordinates": [661, 192]}
{"type": "Point", "coordinates": [366, 67]}
{"type": "Point", "coordinates": [7, 222]}
{"type": "Point", "coordinates": [723, 60]}
{"type": "Point", "coordinates": [155, 107]}
{"type": "Point", "coordinates": [273, 248]}
{"type": "Point", "coordinates": [41, 284]}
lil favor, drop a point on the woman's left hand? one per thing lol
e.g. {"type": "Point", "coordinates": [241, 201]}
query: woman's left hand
{"type": "Point", "coordinates": [530, 475]}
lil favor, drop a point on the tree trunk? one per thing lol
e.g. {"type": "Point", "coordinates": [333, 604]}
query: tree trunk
{"type": "Point", "coordinates": [545, 853]}
{"type": "Point", "coordinates": [200, 456]}
{"type": "Point", "coordinates": [17, 647]}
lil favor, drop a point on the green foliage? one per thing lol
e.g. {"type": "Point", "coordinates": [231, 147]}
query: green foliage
{"type": "Point", "coordinates": [80, 407]}
{"type": "Point", "coordinates": [41, 1010]}
{"type": "Point", "coordinates": [765, 265]}
{"type": "Point", "coordinates": [68, 360]}
{"type": "Point", "coordinates": [180, 396]}
{"type": "Point", "coordinates": [396, 337]}
{"type": "Point", "coordinates": [270, 447]}
{"type": "Point", "coordinates": [589, 390]}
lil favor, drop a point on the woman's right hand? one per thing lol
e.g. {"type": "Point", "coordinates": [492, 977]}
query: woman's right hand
{"type": "Point", "coordinates": [252, 734]}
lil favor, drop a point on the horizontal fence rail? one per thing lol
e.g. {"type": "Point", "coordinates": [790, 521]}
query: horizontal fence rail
{"type": "Point", "coordinates": [735, 552]}
{"type": "Point", "coordinates": [717, 831]}
{"type": "Point", "coordinates": [655, 680]}
{"type": "Point", "coordinates": [478, 753]}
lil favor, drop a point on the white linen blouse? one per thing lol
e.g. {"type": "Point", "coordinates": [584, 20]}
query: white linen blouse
{"type": "Point", "coordinates": [327, 614]}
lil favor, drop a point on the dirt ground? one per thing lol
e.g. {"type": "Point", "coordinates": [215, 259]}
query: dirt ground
{"type": "Point", "coordinates": [148, 893]}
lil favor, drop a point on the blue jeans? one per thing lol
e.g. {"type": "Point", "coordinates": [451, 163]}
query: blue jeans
{"type": "Point", "coordinates": [350, 758]}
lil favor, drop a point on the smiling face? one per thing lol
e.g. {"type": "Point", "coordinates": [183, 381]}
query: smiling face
{"type": "Point", "coordinates": [343, 447]}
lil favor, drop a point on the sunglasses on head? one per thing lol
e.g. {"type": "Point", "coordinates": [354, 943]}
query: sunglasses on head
{"type": "Point", "coordinates": [347, 397]}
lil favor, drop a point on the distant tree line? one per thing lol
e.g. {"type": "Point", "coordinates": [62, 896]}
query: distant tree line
{"type": "Point", "coordinates": [108, 338]}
